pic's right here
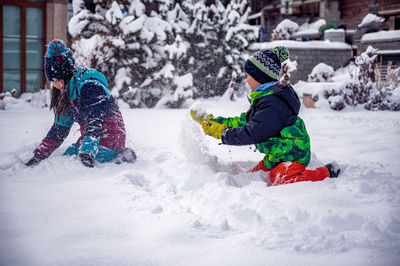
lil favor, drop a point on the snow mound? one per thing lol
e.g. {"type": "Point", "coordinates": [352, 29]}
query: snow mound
{"type": "Point", "coordinates": [321, 73]}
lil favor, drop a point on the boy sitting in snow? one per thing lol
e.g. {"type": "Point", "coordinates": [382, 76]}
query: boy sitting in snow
{"type": "Point", "coordinates": [271, 123]}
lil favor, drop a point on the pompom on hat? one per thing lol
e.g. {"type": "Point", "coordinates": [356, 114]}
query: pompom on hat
{"type": "Point", "coordinates": [59, 63]}
{"type": "Point", "coordinates": [265, 65]}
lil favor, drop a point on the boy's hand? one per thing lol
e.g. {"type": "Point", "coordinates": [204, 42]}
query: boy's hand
{"type": "Point", "coordinates": [200, 118]}
{"type": "Point", "coordinates": [212, 128]}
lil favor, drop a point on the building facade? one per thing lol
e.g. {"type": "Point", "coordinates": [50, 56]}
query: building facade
{"type": "Point", "coordinates": [26, 26]}
{"type": "Point", "coordinates": [346, 14]}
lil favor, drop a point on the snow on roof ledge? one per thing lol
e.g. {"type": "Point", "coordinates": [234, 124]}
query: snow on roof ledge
{"type": "Point", "coordinates": [381, 35]}
{"type": "Point", "coordinates": [309, 32]}
{"type": "Point", "coordinates": [382, 52]}
{"type": "Point", "coordinates": [334, 30]}
{"type": "Point", "coordinates": [300, 45]}
{"type": "Point", "coordinates": [369, 18]}
{"type": "Point", "coordinates": [254, 16]}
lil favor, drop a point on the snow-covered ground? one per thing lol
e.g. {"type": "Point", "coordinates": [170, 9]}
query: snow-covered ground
{"type": "Point", "coordinates": [187, 200]}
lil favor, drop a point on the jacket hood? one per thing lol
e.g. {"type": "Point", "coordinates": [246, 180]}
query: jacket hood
{"type": "Point", "coordinates": [285, 93]}
{"type": "Point", "coordinates": [290, 97]}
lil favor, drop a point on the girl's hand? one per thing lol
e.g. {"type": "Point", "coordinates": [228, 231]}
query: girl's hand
{"type": "Point", "coordinates": [36, 159]}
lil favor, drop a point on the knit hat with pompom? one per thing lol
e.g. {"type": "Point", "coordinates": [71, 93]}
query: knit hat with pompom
{"type": "Point", "coordinates": [59, 63]}
{"type": "Point", "coordinates": [265, 65]}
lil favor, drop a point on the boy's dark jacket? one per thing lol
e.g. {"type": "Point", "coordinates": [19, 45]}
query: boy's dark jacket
{"type": "Point", "coordinates": [272, 123]}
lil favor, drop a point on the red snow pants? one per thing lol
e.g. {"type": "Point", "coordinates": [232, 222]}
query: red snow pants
{"type": "Point", "coordinates": [292, 172]}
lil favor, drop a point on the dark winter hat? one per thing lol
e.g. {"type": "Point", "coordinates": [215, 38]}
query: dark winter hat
{"type": "Point", "coordinates": [265, 65]}
{"type": "Point", "coordinates": [59, 63]}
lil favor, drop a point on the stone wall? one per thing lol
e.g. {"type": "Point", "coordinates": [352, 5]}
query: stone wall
{"type": "Point", "coordinates": [393, 44]}
{"type": "Point", "coordinates": [307, 59]}
{"type": "Point", "coordinates": [310, 54]}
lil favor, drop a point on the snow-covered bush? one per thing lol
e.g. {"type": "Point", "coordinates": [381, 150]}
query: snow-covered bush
{"type": "Point", "coordinates": [218, 36]}
{"type": "Point", "coordinates": [155, 53]}
{"type": "Point", "coordinates": [284, 30]}
{"type": "Point", "coordinates": [388, 96]}
{"type": "Point", "coordinates": [358, 90]}
{"type": "Point", "coordinates": [288, 67]}
{"type": "Point", "coordinates": [362, 88]}
{"type": "Point", "coordinates": [321, 73]}
{"type": "Point", "coordinates": [9, 100]}
{"type": "Point", "coordinates": [313, 28]}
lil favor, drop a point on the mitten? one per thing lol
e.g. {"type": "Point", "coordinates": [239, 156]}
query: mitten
{"type": "Point", "coordinates": [212, 128]}
{"type": "Point", "coordinates": [36, 159]}
{"type": "Point", "coordinates": [86, 159]}
{"type": "Point", "coordinates": [199, 118]}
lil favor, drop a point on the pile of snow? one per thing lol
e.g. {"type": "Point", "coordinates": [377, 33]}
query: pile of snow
{"type": "Point", "coordinates": [188, 200]}
{"type": "Point", "coordinates": [321, 73]}
{"type": "Point", "coordinates": [27, 100]}
{"type": "Point", "coordinates": [381, 35]}
{"type": "Point", "coordinates": [370, 18]}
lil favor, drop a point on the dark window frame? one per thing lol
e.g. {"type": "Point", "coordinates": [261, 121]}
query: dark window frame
{"type": "Point", "coordinates": [23, 5]}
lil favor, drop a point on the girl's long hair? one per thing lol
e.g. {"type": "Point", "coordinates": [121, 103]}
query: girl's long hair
{"type": "Point", "coordinates": [60, 99]}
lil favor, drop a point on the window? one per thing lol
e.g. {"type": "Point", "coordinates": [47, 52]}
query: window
{"type": "Point", "coordinates": [21, 45]}
{"type": "Point", "coordinates": [11, 48]}
{"type": "Point", "coordinates": [34, 49]}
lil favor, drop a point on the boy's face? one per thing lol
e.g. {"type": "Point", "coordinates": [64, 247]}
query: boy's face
{"type": "Point", "coordinates": [252, 82]}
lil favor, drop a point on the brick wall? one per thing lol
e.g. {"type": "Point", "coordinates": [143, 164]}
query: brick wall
{"type": "Point", "coordinates": [352, 12]}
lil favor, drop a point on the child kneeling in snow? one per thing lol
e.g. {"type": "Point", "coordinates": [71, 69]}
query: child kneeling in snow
{"type": "Point", "coordinates": [271, 123]}
{"type": "Point", "coordinates": [80, 95]}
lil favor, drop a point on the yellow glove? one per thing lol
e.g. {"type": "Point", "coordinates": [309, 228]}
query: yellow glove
{"type": "Point", "coordinates": [212, 128]}
{"type": "Point", "coordinates": [200, 118]}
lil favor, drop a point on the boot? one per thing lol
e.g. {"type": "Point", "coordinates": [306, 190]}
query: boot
{"type": "Point", "coordinates": [334, 169]}
{"type": "Point", "coordinates": [128, 155]}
